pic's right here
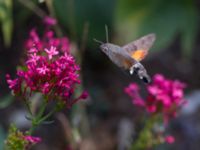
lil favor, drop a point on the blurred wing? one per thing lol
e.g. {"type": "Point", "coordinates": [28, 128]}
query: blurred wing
{"type": "Point", "coordinates": [122, 60]}
{"type": "Point", "coordinates": [139, 49]}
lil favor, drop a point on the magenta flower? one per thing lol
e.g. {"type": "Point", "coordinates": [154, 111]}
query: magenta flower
{"type": "Point", "coordinates": [15, 84]}
{"type": "Point", "coordinates": [33, 58]}
{"type": "Point", "coordinates": [170, 139]}
{"type": "Point", "coordinates": [84, 95]}
{"type": "Point", "coordinates": [133, 91]}
{"type": "Point", "coordinates": [43, 70]}
{"type": "Point", "coordinates": [50, 21]}
{"type": "Point", "coordinates": [51, 52]}
{"type": "Point", "coordinates": [164, 96]}
{"type": "Point", "coordinates": [49, 70]}
{"type": "Point", "coordinates": [32, 139]}
{"type": "Point", "coordinates": [35, 43]}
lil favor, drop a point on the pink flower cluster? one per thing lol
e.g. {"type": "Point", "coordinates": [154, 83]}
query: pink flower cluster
{"type": "Point", "coordinates": [49, 69]}
{"type": "Point", "coordinates": [164, 96]}
{"type": "Point", "coordinates": [47, 41]}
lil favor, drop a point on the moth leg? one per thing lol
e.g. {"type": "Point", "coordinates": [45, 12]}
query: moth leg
{"type": "Point", "coordinates": [135, 68]}
{"type": "Point", "coordinates": [131, 70]}
{"type": "Point", "coordinates": [127, 64]}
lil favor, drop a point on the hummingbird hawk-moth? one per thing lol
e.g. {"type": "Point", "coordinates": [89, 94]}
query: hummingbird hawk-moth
{"type": "Point", "coordinates": [130, 55]}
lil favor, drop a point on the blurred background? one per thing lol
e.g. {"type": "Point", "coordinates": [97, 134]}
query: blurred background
{"type": "Point", "coordinates": [108, 117]}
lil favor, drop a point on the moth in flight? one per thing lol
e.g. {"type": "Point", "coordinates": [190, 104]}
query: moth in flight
{"type": "Point", "coordinates": [130, 55]}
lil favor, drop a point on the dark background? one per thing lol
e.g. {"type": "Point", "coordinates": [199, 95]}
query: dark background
{"type": "Point", "coordinates": [175, 54]}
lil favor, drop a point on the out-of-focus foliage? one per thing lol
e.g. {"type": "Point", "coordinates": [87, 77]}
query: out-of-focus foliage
{"type": "Point", "coordinates": [15, 139]}
{"type": "Point", "coordinates": [23, 13]}
{"type": "Point", "coordinates": [166, 18]}
{"type": "Point", "coordinates": [6, 20]}
{"type": "Point", "coordinates": [73, 14]}
{"type": "Point", "coordinates": [6, 101]}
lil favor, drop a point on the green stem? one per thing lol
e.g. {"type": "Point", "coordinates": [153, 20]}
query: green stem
{"type": "Point", "coordinates": [39, 119]}
{"type": "Point", "coordinates": [34, 8]}
{"type": "Point", "coordinates": [28, 107]}
{"type": "Point", "coordinates": [33, 127]}
{"type": "Point", "coordinates": [145, 137]}
{"type": "Point", "coordinates": [48, 115]}
{"type": "Point", "coordinates": [42, 109]}
{"type": "Point", "coordinates": [36, 119]}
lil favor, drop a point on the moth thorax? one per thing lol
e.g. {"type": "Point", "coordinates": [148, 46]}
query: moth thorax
{"type": "Point", "coordinates": [136, 68]}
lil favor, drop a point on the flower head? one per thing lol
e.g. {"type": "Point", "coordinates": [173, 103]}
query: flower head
{"type": "Point", "coordinates": [164, 96]}
{"type": "Point", "coordinates": [50, 69]}
{"type": "Point", "coordinates": [18, 140]}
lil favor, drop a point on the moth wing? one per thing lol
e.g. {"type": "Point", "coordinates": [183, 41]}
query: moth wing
{"type": "Point", "coordinates": [122, 60]}
{"type": "Point", "coordinates": [139, 49]}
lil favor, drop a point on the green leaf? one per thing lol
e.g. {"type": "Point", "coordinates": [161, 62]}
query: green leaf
{"type": "Point", "coordinates": [165, 18]}
{"type": "Point", "coordinates": [6, 20]}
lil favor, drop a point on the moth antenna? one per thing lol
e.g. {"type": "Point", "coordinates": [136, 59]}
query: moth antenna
{"type": "Point", "coordinates": [98, 41]}
{"type": "Point", "coordinates": [106, 30]}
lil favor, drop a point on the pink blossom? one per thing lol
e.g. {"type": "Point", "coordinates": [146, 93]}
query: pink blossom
{"type": "Point", "coordinates": [169, 139]}
{"type": "Point", "coordinates": [33, 58]}
{"type": "Point", "coordinates": [13, 84]}
{"type": "Point", "coordinates": [42, 70]}
{"type": "Point", "coordinates": [164, 96]}
{"type": "Point", "coordinates": [51, 52]}
{"type": "Point", "coordinates": [32, 139]}
{"type": "Point", "coordinates": [151, 108]}
{"type": "Point", "coordinates": [33, 50]}
{"type": "Point", "coordinates": [133, 91]}
{"type": "Point", "coordinates": [49, 69]}
{"type": "Point", "coordinates": [34, 36]}
{"type": "Point", "coordinates": [84, 95]}
{"type": "Point", "coordinates": [46, 88]}
{"type": "Point", "coordinates": [34, 42]}
{"type": "Point", "coordinates": [50, 21]}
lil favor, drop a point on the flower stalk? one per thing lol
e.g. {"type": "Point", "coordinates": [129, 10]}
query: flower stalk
{"type": "Point", "coordinates": [164, 98]}
{"type": "Point", "coordinates": [145, 138]}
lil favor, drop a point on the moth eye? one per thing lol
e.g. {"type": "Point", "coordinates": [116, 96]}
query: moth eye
{"type": "Point", "coordinates": [105, 48]}
{"type": "Point", "coordinates": [146, 79]}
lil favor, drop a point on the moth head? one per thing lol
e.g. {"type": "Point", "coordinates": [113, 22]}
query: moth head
{"type": "Point", "coordinates": [105, 47]}
{"type": "Point", "coordinates": [141, 72]}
